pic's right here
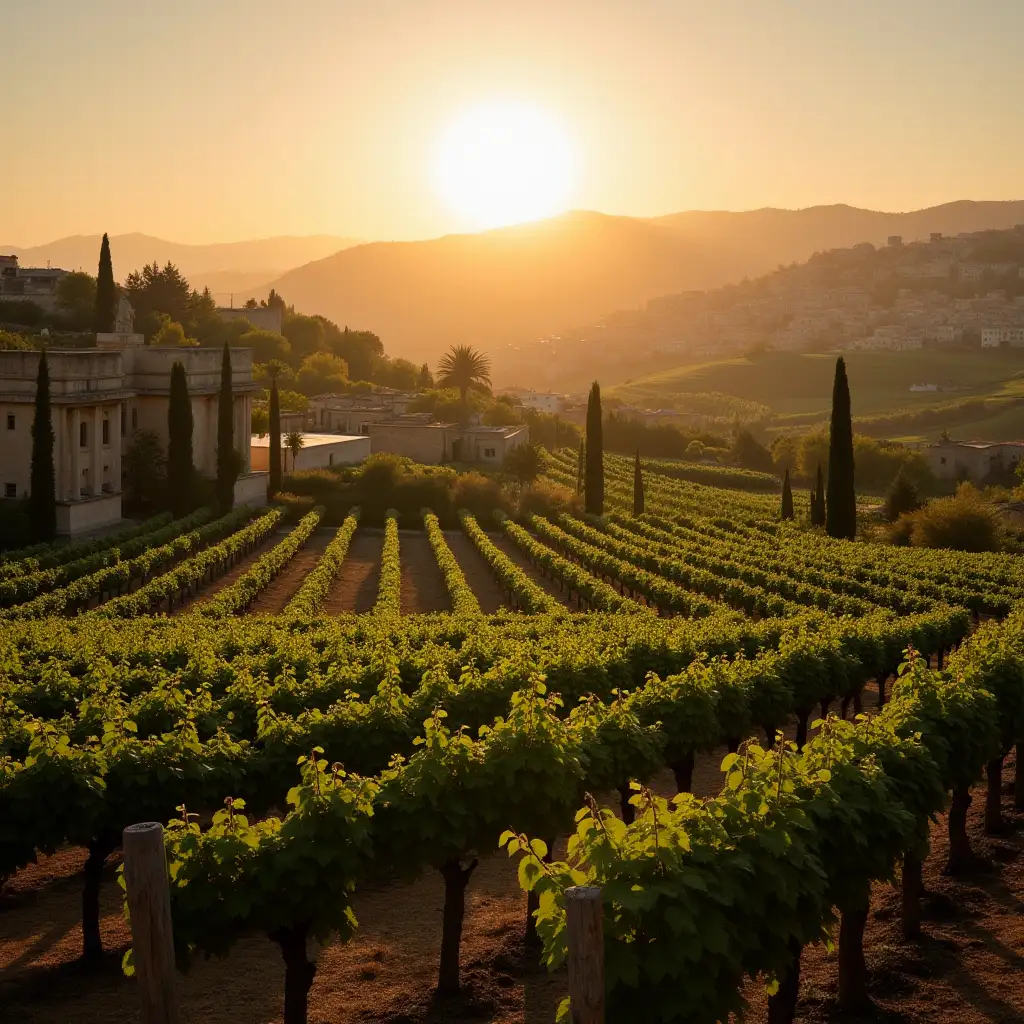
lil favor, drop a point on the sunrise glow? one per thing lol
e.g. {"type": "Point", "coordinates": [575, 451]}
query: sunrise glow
{"type": "Point", "coordinates": [503, 163]}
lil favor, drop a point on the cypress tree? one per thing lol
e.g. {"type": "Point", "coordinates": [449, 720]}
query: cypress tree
{"type": "Point", "coordinates": [638, 487]}
{"type": "Point", "coordinates": [106, 292]}
{"type": "Point", "coordinates": [180, 470]}
{"type": "Point", "coordinates": [227, 458]}
{"type": "Point", "coordinates": [818, 512]}
{"type": "Point", "coordinates": [275, 439]}
{"type": "Point", "coordinates": [43, 493]}
{"type": "Point", "coordinates": [593, 479]}
{"type": "Point", "coordinates": [787, 497]}
{"type": "Point", "coordinates": [841, 507]}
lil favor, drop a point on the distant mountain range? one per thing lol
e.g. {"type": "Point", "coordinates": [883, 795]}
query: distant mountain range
{"type": "Point", "coordinates": [512, 285]}
{"type": "Point", "coordinates": [224, 267]}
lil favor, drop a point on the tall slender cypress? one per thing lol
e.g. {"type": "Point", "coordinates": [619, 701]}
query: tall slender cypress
{"type": "Point", "coordinates": [227, 457]}
{"type": "Point", "coordinates": [43, 493]}
{"type": "Point", "coordinates": [180, 469]}
{"type": "Point", "coordinates": [787, 497]}
{"type": "Point", "coordinates": [106, 292]}
{"type": "Point", "coordinates": [818, 511]}
{"type": "Point", "coordinates": [841, 508]}
{"type": "Point", "coordinates": [638, 487]}
{"type": "Point", "coordinates": [275, 439]}
{"type": "Point", "coordinates": [593, 479]}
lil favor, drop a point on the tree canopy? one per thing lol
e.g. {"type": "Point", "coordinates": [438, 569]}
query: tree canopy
{"type": "Point", "coordinates": [462, 367]}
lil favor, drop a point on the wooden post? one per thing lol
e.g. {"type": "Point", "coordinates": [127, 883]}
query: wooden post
{"type": "Point", "coordinates": [149, 901]}
{"type": "Point", "coordinates": [585, 933]}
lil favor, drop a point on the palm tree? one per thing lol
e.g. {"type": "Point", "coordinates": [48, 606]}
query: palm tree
{"type": "Point", "coordinates": [463, 367]}
{"type": "Point", "coordinates": [294, 442]}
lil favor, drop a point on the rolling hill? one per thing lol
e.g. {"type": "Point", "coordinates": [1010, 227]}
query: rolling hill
{"type": "Point", "coordinates": [224, 266]}
{"type": "Point", "coordinates": [511, 285]}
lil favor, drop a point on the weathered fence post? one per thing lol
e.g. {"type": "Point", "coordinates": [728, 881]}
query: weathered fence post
{"type": "Point", "coordinates": [149, 901]}
{"type": "Point", "coordinates": [585, 934]}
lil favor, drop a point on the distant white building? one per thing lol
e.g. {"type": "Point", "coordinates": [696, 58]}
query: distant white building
{"type": "Point", "coordinates": [541, 401]}
{"type": "Point", "coordinates": [997, 337]}
{"type": "Point", "coordinates": [318, 451]}
{"type": "Point", "coordinates": [30, 284]}
{"type": "Point", "coordinates": [947, 334]}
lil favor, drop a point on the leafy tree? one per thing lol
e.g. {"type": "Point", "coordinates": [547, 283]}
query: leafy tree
{"type": "Point", "coordinates": [275, 437]}
{"type": "Point", "coordinates": [749, 453]}
{"type": "Point", "coordinates": [965, 522]}
{"type": "Point", "coordinates": [400, 374]}
{"type": "Point", "coordinates": [818, 507]}
{"type": "Point", "coordinates": [172, 335]}
{"type": "Point", "coordinates": [638, 487]}
{"type": "Point", "coordinates": [155, 290]}
{"type": "Point", "coordinates": [105, 295]}
{"type": "Point", "coordinates": [426, 378]}
{"type": "Point", "coordinates": [902, 497]}
{"type": "Point", "coordinates": [463, 367]}
{"type": "Point", "coordinates": [305, 335]}
{"type": "Point", "coordinates": [259, 422]}
{"type": "Point", "coordinates": [525, 463]}
{"type": "Point", "coordinates": [10, 342]}
{"type": "Point", "coordinates": [228, 462]}
{"type": "Point", "coordinates": [265, 345]}
{"type": "Point", "coordinates": [841, 507]}
{"type": "Point", "coordinates": [362, 350]}
{"type": "Point", "coordinates": [294, 441]}
{"type": "Point", "coordinates": [251, 303]}
{"type": "Point", "coordinates": [43, 492]}
{"type": "Point", "coordinates": [76, 300]}
{"type": "Point", "coordinates": [695, 450]}
{"type": "Point", "coordinates": [144, 469]}
{"type": "Point", "coordinates": [593, 477]}
{"type": "Point", "coordinates": [180, 467]}
{"type": "Point", "coordinates": [322, 373]}
{"type": "Point", "coordinates": [274, 301]}
{"type": "Point", "coordinates": [787, 497]}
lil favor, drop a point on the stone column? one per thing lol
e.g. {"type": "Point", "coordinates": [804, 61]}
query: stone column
{"type": "Point", "coordinates": [57, 418]}
{"type": "Point", "coordinates": [115, 447]}
{"type": "Point", "coordinates": [96, 450]}
{"type": "Point", "coordinates": [76, 455]}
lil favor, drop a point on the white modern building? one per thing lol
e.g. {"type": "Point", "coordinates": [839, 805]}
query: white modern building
{"type": "Point", "coordinates": [995, 337]}
{"type": "Point", "coordinates": [318, 451]}
{"type": "Point", "coordinates": [100, 399]}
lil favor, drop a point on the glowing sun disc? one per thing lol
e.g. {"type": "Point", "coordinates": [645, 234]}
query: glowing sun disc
{"type": "Point", "coordinates": [504, 163]}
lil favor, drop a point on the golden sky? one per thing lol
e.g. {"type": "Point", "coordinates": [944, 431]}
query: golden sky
{"type": "Point", "coordinates": [216, 120]}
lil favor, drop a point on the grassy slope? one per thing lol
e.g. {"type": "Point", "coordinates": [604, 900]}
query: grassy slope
{"type": "Point", "coordinates": [879, 381]}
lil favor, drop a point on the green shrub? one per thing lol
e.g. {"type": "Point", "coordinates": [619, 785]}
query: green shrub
{"type": "Point", "coordinates": [964, 522]}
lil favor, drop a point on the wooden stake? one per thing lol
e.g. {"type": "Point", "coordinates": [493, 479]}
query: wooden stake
{"type": "Point", "coordinates": [585, 933]}
{"type": "Point", "coordinates": [149, 901]}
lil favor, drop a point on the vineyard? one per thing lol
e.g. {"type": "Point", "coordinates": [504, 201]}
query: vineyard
{"type": "Point", "coordinates": [382, 755]}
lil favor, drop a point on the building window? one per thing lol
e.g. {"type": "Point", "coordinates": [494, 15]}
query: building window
{"type": "Point", "coordinates": [942, 460]}
{"type": "Point", "coordinates": [83, 435]}
{"type": "Point", "coordinates": [106, 431]}
{"type": "Point", "coordinates": [124, 419]}
{"type": "Point", "coordinates": [135, 418]}
{"type": "Point", "coordinates": [10, 421]}
{"type": "Point", "coordinates": [490, 453]}
{"type": "Point", "coordinates": [10, 490]}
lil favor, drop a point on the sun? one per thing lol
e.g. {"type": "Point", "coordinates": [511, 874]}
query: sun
{"type": "Point", "coordinates": [504, 163]}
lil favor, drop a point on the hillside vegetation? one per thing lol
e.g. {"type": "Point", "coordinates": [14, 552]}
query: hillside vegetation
{"type": "Point", "coordinates": [980, 392]}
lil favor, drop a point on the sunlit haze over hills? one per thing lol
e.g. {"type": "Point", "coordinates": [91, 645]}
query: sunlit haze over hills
{"type": "Point", "coordinates": [400, 119]}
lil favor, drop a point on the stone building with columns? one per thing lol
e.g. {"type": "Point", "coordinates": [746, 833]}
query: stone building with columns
{"type": "Point", "coordinates": [100, 398]}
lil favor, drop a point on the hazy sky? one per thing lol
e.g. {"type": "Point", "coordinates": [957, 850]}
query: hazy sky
{"type": "Point", "coordinates": [208, 120]}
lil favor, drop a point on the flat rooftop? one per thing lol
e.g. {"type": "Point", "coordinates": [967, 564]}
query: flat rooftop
{"type": "Point", "coordinates": [310, 440]}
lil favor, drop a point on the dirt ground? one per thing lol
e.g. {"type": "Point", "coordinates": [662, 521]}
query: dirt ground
{"type": "Point", "coordinates": [477, 572]}
{"type": "Point", "coordinates": [516, 554]}
{"type": "Point", "coordinates": [355, 588]}
{"type": "Point", "coordinates": [967, 969]}
{"type": "Point", "coordinates": [423, 586]}
{"type": "Point", "coordinates": [284, 586]}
